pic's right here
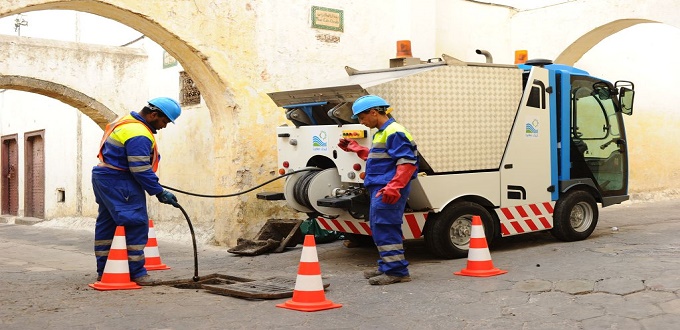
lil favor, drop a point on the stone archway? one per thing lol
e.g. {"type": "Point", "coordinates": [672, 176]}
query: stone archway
{"type": "Point", "coordinates": [92, 108]}
{"type": "Point", "coordinates": [139, 15]}
{"type": "Point", "coordinates": [582, 45]}
{"type": "Point", "coordinates": [208, 53]}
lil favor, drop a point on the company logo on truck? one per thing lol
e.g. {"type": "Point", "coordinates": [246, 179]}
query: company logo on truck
{"type": "Point", "coordinates": [320, 142]}
{"type": "Point", "coordinates": [532, 128]}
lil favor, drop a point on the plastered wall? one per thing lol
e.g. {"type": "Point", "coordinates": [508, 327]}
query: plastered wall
{"type": "Point", "coordinates": [237, 51]}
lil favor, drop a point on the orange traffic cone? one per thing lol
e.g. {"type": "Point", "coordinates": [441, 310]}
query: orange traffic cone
{"type": "Point", "coordinates": [308, 295]}
{"type": "Point", "coordinates": [479, 259]}
{"type": "Point", "coordinates": [151, 254]}
{"type": "Point", "coordinates": [116, 271]}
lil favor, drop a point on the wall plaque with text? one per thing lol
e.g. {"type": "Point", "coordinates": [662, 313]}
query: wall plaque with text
{"type": "Point", "coordinates": [327, 19]}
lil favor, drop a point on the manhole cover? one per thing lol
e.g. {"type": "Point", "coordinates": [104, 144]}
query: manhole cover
{"type": "Point", "coordinates": [270, 288]}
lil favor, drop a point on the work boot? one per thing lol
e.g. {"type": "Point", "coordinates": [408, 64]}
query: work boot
{"type": "Point", "coordinates": [372, 273]}
{"type": "Point", "coordinates": [99, 278]}
{"type": "Point", "coordinates": [144, 280]}
{"type": "Point", "coordinates": [385, 279]}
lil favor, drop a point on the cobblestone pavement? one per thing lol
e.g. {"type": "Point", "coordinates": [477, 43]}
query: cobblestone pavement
{"type": "Point", "coordinates": [625, 276]}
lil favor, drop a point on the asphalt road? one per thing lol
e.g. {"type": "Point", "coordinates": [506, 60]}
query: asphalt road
{"type": "Point", "coordinates": [625, 276]}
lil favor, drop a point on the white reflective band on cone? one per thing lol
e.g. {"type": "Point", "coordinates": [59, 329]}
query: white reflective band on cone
{"type": "Point", "coordinates": [308, 283]}
{"type": "Point", "coordinates": [118, 243]}
{"type": "Point", "coordinates": [477, 232]}
{"type": "Point", "coordinates": [479, 255]}
{"type": "Point", "coordinates": [151, 252]}
{"type": "Point", "coordinates": [116, 267]}
{"type": "Point", "coordinates": [309, 254]}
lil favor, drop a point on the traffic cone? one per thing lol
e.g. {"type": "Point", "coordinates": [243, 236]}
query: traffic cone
{"type": "Point", "coordinates": [308, 295]}
{"type": "Point", "coordinates": [151, 254]}
{"type": "Point", "coordinates": [479, 262]}
{"type": "Point", "coordinates": [116, 271]}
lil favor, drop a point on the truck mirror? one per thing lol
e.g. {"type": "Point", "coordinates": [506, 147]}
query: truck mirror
{"type": "Point", "coordinates": [626, 97]}
{"type": "Point", "coordinates": [602, 91]}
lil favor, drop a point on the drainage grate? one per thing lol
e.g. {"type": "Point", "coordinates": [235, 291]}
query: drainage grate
{"type": "Point", "coordinates": [270, 288]}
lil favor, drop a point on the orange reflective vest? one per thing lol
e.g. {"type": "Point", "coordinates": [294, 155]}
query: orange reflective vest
{"type": "Point", "coordinates": [112, 126]}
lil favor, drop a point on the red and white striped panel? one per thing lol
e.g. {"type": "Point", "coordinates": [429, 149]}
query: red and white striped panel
{"type": "Point", "coordinates": [525, 218]}
{"type": "Point", "coordinates": [411, 228]}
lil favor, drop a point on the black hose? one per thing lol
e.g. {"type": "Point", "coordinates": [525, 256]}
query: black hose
{"type": "Point", "coordinates": [191, 227]}
{"type": "Point", "coordinates": [245, 191]}
{"type": "Point", "coordinates": [193, 240]}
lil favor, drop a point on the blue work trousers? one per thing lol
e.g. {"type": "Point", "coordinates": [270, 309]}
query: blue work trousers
{"type": "Point", "coordinates": [386, 221]}
{"type": "Point", "coordinates": [121, 202]}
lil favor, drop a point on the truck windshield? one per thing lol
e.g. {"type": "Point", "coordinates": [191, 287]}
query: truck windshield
{"type": "Point", "coordinates": [596, 131]}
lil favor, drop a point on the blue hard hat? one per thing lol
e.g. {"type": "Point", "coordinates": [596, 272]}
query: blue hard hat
{"type": "Point", "coordinates": [367, 102]}
{"type": "Point", "coordinates": [169, 106]}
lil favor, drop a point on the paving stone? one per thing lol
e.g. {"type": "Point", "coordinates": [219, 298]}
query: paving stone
{"type": "Point", "coordinates": [526, 311]}
{"type": "Point", "coordinates": [498, 323]}
{"type": "Point", "coordinates": [507, 297]}
{"type": "Point", "coordinates": [599, 299]}
{"type": "Point", "coordinates": [672, 306]}
{"type": "Point", "coordinates": [620, 286]}
{"type": "Point", "coordinates": [612, 322]}
{"type": "Point", "coordinates": [533, 286]}
{"type": "Point", "coordinates": [552, 323]}
{"type": "Point", "coordinates": [477, 311]}
{"type": "Point", "coordinates": [577, 312]}
{"type": "Point", "coordinates": [666, 321]}
{"type": "Point", "coordinates": [634, 309]}
{"type": "Point", "coordinates": [651, 296]}
{"type": "Point", "coordinates": [487, 284]}
{"type": "Point", "coordinates": [664, 283]}
{"type": "Point", "coordinates": [575, 286]}
{"type": "Point", "coordinates": [552, 298]}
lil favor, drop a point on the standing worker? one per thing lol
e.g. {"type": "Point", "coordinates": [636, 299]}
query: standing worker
{"type": "Point", "coordinates": [391, 164]}
{"type": "Point", "coordinates": [128, 160]}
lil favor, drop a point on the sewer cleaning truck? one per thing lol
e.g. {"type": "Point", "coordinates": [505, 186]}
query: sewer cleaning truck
{"type": "Point", "coordinates": [528, 147]}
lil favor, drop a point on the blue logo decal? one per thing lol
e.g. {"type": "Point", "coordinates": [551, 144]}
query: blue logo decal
{"type": "Point", "coordinates": [532, 129]}
{"type": "Point", "coordinates": [320, 142]}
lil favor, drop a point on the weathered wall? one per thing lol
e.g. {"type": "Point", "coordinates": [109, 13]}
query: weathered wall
{"type": "Point", "coordinates": [102, 73]}
{"type": "Point", "coordinates": [237, 51]}
{"type": "Point", "coordinates": [70, 69]}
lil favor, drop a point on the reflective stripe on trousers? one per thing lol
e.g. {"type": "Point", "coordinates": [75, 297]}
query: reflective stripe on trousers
{"type": "Point", "coordinates": [385, 221]}
{"type": "Point", "coordinates": [122, 202]}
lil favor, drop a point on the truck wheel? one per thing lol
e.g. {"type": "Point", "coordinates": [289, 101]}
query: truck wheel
{"type": "Point", "coordinates": [448, 235]}
{"type": "Point", "coordinates": [575, 216]}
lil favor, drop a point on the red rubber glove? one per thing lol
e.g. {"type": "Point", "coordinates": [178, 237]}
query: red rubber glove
{"type": "Point", "coordinates": [390, 193]}
{"type": "Point", "coordinates": [353, 146]}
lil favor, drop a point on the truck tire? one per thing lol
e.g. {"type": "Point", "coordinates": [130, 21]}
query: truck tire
{"type": "Point", "coordinates": [575, 216]}
{"type": "Point", "coordinates": [448, 235]}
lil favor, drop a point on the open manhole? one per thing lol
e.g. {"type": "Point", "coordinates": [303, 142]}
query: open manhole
{"type": "Point", "coordinates": [270, 288]}
{"type": "Point", "coordinates": [203, 280]}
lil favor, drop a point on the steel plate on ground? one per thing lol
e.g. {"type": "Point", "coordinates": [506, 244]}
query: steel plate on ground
{"type": "Point", "coordinates": [270, 288]}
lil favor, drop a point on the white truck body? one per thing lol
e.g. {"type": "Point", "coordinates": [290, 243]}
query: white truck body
{"type": "Point", "coordinates": [490, 141]}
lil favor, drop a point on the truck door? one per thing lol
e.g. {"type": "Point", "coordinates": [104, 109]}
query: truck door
{"type": "Point", "coordinates": [598, 139]}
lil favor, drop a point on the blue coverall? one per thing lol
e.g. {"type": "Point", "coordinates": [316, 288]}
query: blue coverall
{"type": "Point", "coordinates": [119, 182]}
{"type": "Point", "coordinates": [392, 145]}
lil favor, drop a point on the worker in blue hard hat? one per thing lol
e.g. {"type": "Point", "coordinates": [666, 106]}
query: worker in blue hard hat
{"type": "Point", "coordinates": [128, 160]}
{"type": "Point", "coordinates": [391, 164]}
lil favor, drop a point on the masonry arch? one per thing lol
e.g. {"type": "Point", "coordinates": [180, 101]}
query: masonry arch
{"type": "Point", "coordinates": [192, 60]}
{"type": "Point", "coordinates": [583, 44]}
{"type": "Point", "coordinates": [98, 112]}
